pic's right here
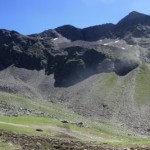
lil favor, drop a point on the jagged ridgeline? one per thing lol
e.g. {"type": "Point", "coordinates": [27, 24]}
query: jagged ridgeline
{"type": "Point", "coordinates": [100, 71]}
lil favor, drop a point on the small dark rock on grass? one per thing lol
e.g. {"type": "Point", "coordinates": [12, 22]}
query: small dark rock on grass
{"type": "Point", "coordinates": [39, 130]}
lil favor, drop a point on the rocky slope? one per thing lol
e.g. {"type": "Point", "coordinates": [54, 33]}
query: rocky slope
{"type": "Point", "coordinates": [100, 71]}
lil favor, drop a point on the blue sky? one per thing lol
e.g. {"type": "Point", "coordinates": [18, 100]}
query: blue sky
{"type": "Point", "coordinates": [34, 16]}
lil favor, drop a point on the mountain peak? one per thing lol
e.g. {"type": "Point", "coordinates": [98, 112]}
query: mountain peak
{"type": "Point", "coordinates": [135, 14]}
{"type": "Point", "coordinates": [70, 32]}
{"type": "Point", "coordinates": [132, 19]}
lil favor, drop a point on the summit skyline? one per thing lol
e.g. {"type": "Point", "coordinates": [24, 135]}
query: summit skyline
{"type": "Point", "coordinates": [32, 16]}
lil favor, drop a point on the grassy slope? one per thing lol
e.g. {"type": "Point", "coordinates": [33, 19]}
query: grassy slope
{"type": "Point", "coordinates": [143, 85]}
{"type": "Point", "coordinates": [56, 111]}
{"type": "Point", "coordinates": [94, 132]}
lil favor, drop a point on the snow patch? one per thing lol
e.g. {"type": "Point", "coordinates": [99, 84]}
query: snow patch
{"type": "Point", "coordinates": [106, 43]}
{"type": "Point", "coordinates": [123, 48]}
{"type": "Point", "coordinates": [55, 39]}
{"type": "Point", "coordinates": [116, 41]}
{"type": "Point", "coordinates": [111, 42]}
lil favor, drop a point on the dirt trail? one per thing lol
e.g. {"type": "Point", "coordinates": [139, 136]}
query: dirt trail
{"type": "Point", "coordinates": [74, 134]}
{"type": "Point", "coordinates": [13, 124]}
{"type": "Point", "coordinates": [61, 131]}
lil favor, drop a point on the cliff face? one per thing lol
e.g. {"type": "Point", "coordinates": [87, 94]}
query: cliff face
{"type": "Point", "coordinates": [23, 51]}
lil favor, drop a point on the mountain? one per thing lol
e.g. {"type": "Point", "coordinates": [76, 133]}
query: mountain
{"type": "Point", "coordinates": [135, 23]}
{"type": "Point", "coordinates": [99, 72]}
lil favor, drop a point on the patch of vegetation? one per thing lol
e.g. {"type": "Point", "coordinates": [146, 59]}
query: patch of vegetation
{"type": "Point", "coordinates": [28, 124]}
{"type": "Point", "coordinates": [30, 120]}
{"type": "Point", "coordinates": [55, 110]}
{"type": "Point", "coordinates": [17, 129]}
{"type": "Point", "coordinates": [143, 85]}
{"type": "Point", "coordinates": [106, 82]}
{"type": "Point", "coordinates": [131, 142]}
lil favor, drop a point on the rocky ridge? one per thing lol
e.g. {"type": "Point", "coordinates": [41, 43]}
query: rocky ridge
{"type": "Point", "coordinates": [48, 50]}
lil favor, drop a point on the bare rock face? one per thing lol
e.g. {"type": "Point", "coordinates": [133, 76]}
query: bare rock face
{"type": "Point", "coordinates": [46, 35]}
{"type": "Point", "coordinates": [80, 64]}
{"type": "Point", "coordinates": [70, 32]}
{"type": "Point", "coordinates": [98, 32]}
{"type": "Point", "coordinates": [22, 51]}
